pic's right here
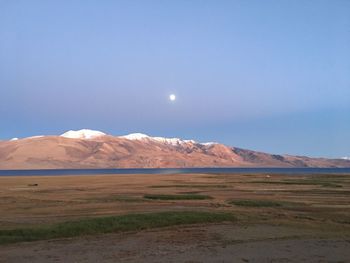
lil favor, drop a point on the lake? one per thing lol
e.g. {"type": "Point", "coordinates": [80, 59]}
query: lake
{"type": "Point", "coordinates": [235, 170]}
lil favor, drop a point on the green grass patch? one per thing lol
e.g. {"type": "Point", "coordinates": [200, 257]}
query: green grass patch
{"type": "Point", "coordinates": [190, 186]}
{"type": "Point", "coordinates": [177, 197]}
{"type": "Point", "coordinates": [190, 192]}
{"type": "Point", "coordinates": [322, 183]}
{"type": "Point", "coordinates": [328, 192]}
{"type": "Point", "coordinates": [112, 224]}
{"type": "Point", "coordinates": [257, 203]}
{"type": "Point", "coordinates": [117, 198]}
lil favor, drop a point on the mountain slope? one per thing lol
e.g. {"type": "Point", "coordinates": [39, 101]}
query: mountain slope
{"type": "Point", "coordinates": [93, 149]}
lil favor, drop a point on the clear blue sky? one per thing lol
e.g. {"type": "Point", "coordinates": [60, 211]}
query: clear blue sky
{"type": "Point", "coordinates": [265, 75]}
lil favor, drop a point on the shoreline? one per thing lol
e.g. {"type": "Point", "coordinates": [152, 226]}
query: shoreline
{"type": "Point", "coordinates": [197, 170]}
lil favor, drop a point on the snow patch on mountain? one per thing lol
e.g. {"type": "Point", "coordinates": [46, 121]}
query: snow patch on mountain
{"type": "Point", "coordinates": [27, 138]}
{"type": "Point", "coordinates": [135, 136]}
{"type": "Point", "coordinates": [345, 158]}
{"type": "Point", "coordinates": [209, 143]}
{"type": "Point", "coordinates": [82, 134]}
{"type": "Point", "coordinates": [169, 141]}
{"type": "Point", "coordinates": [172, 141]}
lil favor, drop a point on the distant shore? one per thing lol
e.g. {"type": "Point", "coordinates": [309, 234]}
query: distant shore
{"type": "Point", "coordinates": [199, 170]}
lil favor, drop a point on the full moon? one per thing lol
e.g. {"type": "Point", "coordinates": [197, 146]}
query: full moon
{"type": "Point", "coordinates": [172, 97]}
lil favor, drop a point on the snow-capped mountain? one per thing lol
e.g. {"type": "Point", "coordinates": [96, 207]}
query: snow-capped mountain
{"type": "Point", "coordinates": [82, 134]}
{"type": "Point", "coordinates": [93, 134]}
{"type": "Point", "coordinates": [171, 141]}
{"type": "Point", "coordinates": [95, 149]}
{"type": "Point", "coordinates": [345, 158]}
{"type": "Point", "coordinates": [135, 136]}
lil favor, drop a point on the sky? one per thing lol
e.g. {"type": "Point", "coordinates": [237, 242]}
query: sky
{"type": "Point", "coordinates": [272, 76]}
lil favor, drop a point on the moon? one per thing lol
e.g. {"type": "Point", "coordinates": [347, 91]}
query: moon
{"type": "Point", "coordinates": [172, 97]}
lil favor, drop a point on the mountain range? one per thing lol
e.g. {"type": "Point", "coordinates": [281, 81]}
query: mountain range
{"type": "Point", "coordinates": [95, 149]}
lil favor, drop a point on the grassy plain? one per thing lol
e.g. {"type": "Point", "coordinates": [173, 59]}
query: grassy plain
{"type": "Point", "coordinates": [43, 207]}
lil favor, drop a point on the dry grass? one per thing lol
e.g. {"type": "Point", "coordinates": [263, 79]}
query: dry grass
{"type": "Point", "coordinates": [65, 198]}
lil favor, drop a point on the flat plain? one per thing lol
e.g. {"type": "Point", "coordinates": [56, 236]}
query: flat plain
{"type": "Point", "coordinates": [175, 218]}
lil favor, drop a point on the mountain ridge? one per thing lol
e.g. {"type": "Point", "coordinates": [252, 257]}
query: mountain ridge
{"type": "Point", "coordinates": [94, 149]}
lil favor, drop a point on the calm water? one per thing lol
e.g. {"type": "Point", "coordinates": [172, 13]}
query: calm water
{"type": "Point", "coordinates": [295, 171]}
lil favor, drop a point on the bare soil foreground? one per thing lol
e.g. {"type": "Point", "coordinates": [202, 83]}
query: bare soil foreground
{"type": "Point", "coordinates": [175, 218]}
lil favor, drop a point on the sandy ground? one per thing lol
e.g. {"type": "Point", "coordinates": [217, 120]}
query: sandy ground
{"type": "Point", "coordinates": [210, 243]}
{"type": "Point", "coordinates": [315, 228]}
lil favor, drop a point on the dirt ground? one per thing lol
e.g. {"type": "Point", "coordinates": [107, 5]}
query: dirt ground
{"type": "Point", "coordinates": [313, 226]}
{"type": "Point", "coordinates": [205, 243]}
